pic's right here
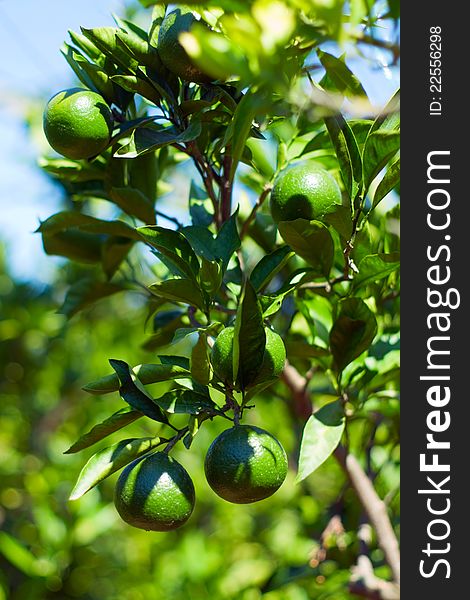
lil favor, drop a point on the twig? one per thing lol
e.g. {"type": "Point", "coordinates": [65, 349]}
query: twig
{"type": "Point", "coordinates": [254, 210]}
{"type": "Point", "coordinates": [226, 187]}
{"type": "Point", "coordinates": [168, 218]}
{"type": "Point", "coordinates": [373, 506]}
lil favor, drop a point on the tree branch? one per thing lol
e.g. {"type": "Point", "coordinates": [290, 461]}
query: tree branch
{"type": "Point", "coordinates": [374, 507]}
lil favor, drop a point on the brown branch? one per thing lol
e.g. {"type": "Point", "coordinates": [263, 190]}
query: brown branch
{"type": "Point", "coordinates": [374, 507]}
{"type": "Point", "coordinates": [254, 210]}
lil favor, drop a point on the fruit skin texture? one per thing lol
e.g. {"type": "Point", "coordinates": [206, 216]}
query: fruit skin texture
{"type": "Point", "coordinates": [273, 359]}
{"type": "Point", "coordinates": [172, 53]}
{"type": "Point", "coordinates": [245, 464]}
{"type": "Point", "coordinates": [155, 493]}
{"type": "Point", "coordinates": [303, 191]}
{"type": "Point", "coordinates": [78, 123]}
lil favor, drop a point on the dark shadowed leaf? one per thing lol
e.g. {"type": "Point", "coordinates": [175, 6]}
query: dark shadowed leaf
{"type": "Point", "coordinates": [312, 241]}
{"type": "Point", "coordinates": [85, 293]}
{"type": "Point", "coordinates": [134, 203]}
{"type": "Point", "coordinates": [134, 393]}
{"type": "Point", "coordinates": [146, 139]}
{"type": "Point", "coordinates": [353, 331]}
{"type": "Point", "coordinates": [249, 338]}
{"type": "Point", "coordinates": [109, 460]}
{"type": "Point", "coordinates": [227, 241]}
{"type": "Point", "coordinates": [185, 402]}
{"type": "Point", "coordinates": [115, 422]}
{"type": "Point", "coordinates": [321, 436]}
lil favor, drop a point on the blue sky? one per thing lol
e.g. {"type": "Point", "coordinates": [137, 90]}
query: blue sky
{"type": "Point", "coordinates": [32, 68]}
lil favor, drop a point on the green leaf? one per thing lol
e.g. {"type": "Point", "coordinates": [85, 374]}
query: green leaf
{"type": "Point", "coordinates": [200, 363]}
{"type": "Point", "coordinates": [146, 373]}
{"type": "Point", "coordinates": [115, 422]}
{"type": "Point", "coordinates": [269, 266]}
{"type": "Point", "coordinates": [148, 138]}
{"type": "Point", "coordinates": [105, 39]}
{"type": "Point", "coordinates": [91, 75]}
{"type": "Point", "coordinates": [66, 220]}
{"type": "Point", "coordinates": [240, 128]}
{"type": "Point", "coordinates": [74, 245]}
{"type": "Point", "coordinates": [352, 333]}
{"type": "Point", "coordinates": [113, 252]}
{"type": "Point", "coordinates": [210, 276]}
{"type": "Point", "coordinates": [186, 402]}
{"type": "Point", "coordinates": [390, 180]}
{"type": "Point", "coordinates": [174, 247]}
{"type": "Point", "coordinates": [375, 267]}
{"type": "Point", "coordinates": [347, 153]}
{"type": "Point", "coordinates": [200, 206]}
{"type": "Point", "coordinates": [321, 436]}
{"type": "Point", "coordinates": [383, 140]}
{"type": "Point", "coordinates": [227, 241]}
{"type": "Point", "coordinates": [134, 393]}
{"type": "Point", "coordinates": [85, 293]}
{"type": "Point", "coordinates": [312, 241]}
{"type": "Point", "coordinates": [180, 290]}
{"type": "Point", "coordinates": [137, 85]}
{"type": "Point", "coordinates": [202, 241]}
{"type": "Point", "coordinates": [134, 203]}
{"type": "Point", "coordinates": [19, 556]}
{"type": "Point", "coordinates": [249, 338]}
{"type": "Point", "coordinates": [342, 77]}
{"type": "Point", "coordinates": [380, 148]}
{"type": "Point", "coordinates": [109, 460]}
{"type": "Point", "coordinates": [271, 303]}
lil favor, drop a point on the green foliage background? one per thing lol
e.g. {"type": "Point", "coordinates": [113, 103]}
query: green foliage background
{"type": "Point", "coordinates": [277, 549]}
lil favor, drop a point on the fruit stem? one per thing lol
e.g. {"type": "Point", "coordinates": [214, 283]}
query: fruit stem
{"type": "Point", "coordinates": [175, 439]}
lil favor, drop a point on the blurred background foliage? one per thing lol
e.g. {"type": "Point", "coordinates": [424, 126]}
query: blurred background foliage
{"type": "Point", "coordinates": [289, 547]}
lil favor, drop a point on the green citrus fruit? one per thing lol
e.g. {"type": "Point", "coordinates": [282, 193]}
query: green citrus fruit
{"type": "Point", "coordinates": [245, 464]}
{"type": "Point", "coordinates": [78, 123]}
{"type": "Point", "coordinates": [273, 359]}
{"type": "Point", "coordinates": [304, 191]}
{"type": "Point", "coordinates": [172, 53]}
{"type": "Point", "coordinates": [155, 493]}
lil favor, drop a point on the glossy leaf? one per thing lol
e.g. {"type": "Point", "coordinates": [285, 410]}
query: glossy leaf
{"type": "Point", "coordinates": [341, 75]}
{"type": "Point", "coordinates": [146, 373]}
{"type": "Point", "coordinates": [134, 393]}
{"type": "Point", "coordinates": [115, 422]}
{"type": "Point", "coordinates": [375, 267]}
{"type": "Point", "coordinates": [322, 434]}
{"type": "Point", "coordinates": [147, 139]}
{"type": "Point", "coordinates": [269, 266]}
{"type": "Point", "coordinates": [352, 333]}
{"type": "Point", "coordinates": [180, 290]}
{"type": "Point", "coordinates": [66, 220]}
{"type": "Point", "coordinates": [186, 402]}
{"type": "Point", "coordinates": [227, 241]}
{"type": "Point", "coordinates": [109, 460]}
{"type": "Point", "coordinates": [347, 152]}
{"type": "Point", "coordinates": [390, 180]}
{"type": "Point", "coordinates": [174, 247]}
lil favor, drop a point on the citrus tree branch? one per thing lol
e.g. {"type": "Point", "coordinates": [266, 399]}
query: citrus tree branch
{"type": "Point", "coordinates": [373, 505]}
